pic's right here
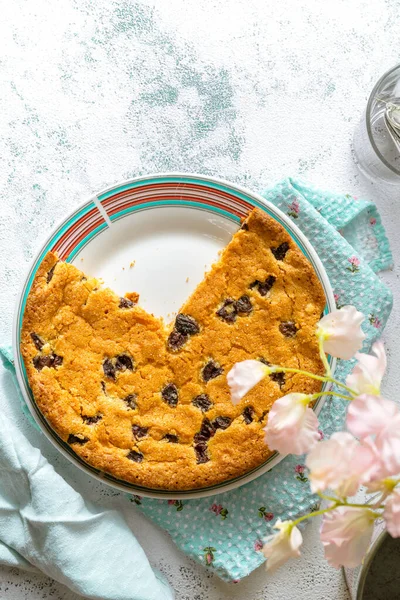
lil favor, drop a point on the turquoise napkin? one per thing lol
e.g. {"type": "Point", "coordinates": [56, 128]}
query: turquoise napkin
{"type": "Point", "coordinates": [45, 523]}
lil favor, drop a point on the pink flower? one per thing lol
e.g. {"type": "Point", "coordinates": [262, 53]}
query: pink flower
{"type": "Point", "coordinates": [353, 260]}
{"type": "Point", "coordinates": [294, 206]}
{"type": "Point", "coordinates": [209, 554]}
{"type": "Point", "coordinates": [385, 452]}
{"type": "Point", "coordinates": [268, 516]}
{"type": "Point", "coordinates": [391, 514]}
{"type": "Point", "coordinates": [377, 323]}
{"type": "Point", "coordinates": [216, 508]}
{"type": "Point", "coordinates": [283, 545]}
{"type": "Point", "coordinates": [171, 501]}
{"type": "Point", "coordinates": [258, 545]}
{"type": "Point", "coordinates": [346, 534]}
{"type": "Point", "coordinates": [292, 426]}
{"type": "Point", "coordinates": [244, 376]}
{"type": "Point", "coordinates": [368, 373]}
{"type": "Point", "coordinates": [377, 422]}
{"type": "Point", "coordinates": [321, 435]}
{"type": "Point", "coordinates": [340, 464]}
{"type": "Point", "coordinates": [341, 333]}
{"type": "Point", "coordinates": [370, 415]}
{"type": "Point", "coordinates": [300, 469]}
{"type": "Point", "coordinates": [336, 297]}
{"type": "Point", "coordinates": [372, 221]}
{"type": "Point", "coordinates": [387, 443]}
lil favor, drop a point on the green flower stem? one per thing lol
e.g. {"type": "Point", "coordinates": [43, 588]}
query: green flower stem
{"type": "Point", "coordinates": [323, 356]}
{"type": "Point", "coordinates": [363, 506]}
{"type": "Point", "coordinates": [343, 502]}
{"type": "Point", "coordinates": [342, 385]}
{"type": "Point", "coordinates": [324, 378]}
{"type": "Point", "coordinates": [323, 511]}
{"type": "Point", "coordinates": [319, 394]}
{"type": "Point", "coordinates": [329, 498]}
{"type": "Point", "coordinates": [316, 513]}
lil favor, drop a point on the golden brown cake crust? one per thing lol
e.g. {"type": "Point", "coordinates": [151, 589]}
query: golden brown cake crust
{"type": "Point", "coordinates": [151, 405]}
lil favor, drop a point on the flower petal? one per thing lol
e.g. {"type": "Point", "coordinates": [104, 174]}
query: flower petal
{"type": "Point", "coordinates": [244, 376]}
{"type": "Point", "coordinates": [283, 545]}
{"type": "Point", "coordinates": [292, 426]}
{"type": "Point", "coordinates": [367, 375]}
{"type": "Point", "coordinates": [387, 443]}
{"type": "Point", "coordinates": [369, 415]}
{"type": "Point", "coordinates": [346, 534]}
{"type": "Point", "coordinates": [286, 411]}
{"type": "Point", "coordinates": [341, 332]}
{"type": "Point", "coordinates": [391, 514]}
{"type": "Point", "coordinates": [329, 463]}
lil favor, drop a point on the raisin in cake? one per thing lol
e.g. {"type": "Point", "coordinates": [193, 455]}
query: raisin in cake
{"type": "Point", "coordinates": [150, 404]}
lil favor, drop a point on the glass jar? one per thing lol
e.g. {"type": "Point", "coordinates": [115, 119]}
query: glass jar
{"type": "Point", "coordinates": [376, 153]}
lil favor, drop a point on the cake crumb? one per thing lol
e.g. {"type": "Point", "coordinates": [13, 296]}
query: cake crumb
{"type": "Point", "coordinates": [132, 264]}
{"type": "Point", "coordinates": [132, 296]}
{"type": "Point", "coordinates": [187, 279]}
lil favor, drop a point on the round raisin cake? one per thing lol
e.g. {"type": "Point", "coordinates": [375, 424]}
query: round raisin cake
{"type": "Point", "coordinates": [149, 404]}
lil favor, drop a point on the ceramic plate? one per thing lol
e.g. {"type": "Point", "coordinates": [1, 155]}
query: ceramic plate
{"type": "Point", "coordinates": [154, 235]}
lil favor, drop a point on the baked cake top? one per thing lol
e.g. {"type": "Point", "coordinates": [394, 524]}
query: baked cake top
{"type": "Point", "coordinates": [150, 404]}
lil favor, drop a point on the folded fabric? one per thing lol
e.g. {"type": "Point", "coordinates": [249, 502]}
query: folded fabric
{"type": "Point", "coordinates": [48, 524]}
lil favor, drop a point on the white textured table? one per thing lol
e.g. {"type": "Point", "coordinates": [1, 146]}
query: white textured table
{"type": "Point", "coordinates": [251, 90]}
